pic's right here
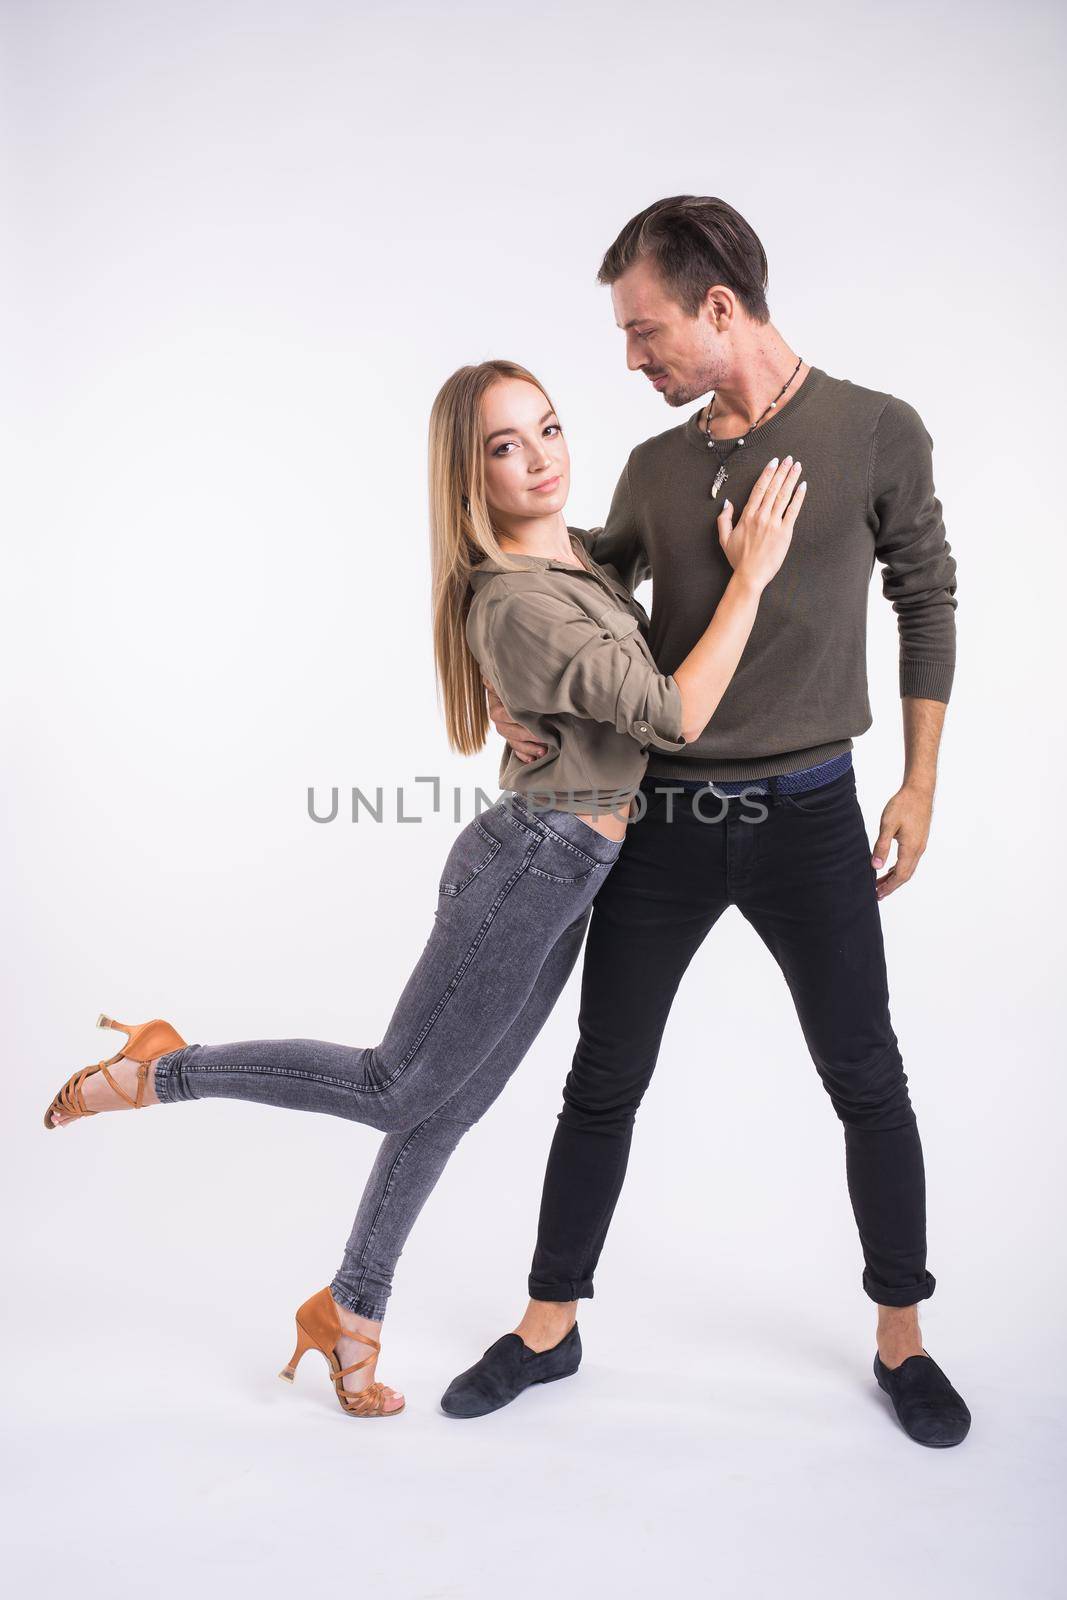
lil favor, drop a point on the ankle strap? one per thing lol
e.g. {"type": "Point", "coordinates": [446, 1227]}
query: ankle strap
{"type": "Point", "coordinates": [350, 1333]}
{"type": "Point", "coordinates": [356, 1367]}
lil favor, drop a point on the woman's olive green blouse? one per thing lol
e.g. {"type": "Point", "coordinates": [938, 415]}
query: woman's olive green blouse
{"type": "Point", "coordinates": [564, 648]}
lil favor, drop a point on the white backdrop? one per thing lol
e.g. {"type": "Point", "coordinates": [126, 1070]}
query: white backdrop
{"type": "Point", "coordinates": [247, 243]}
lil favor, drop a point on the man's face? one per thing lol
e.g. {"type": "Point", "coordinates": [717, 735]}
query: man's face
{"type": "Point", "coordinates": [681, 356]}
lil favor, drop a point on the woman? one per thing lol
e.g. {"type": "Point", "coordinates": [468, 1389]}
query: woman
{"type": "Point", "coordinates": [516, 599]}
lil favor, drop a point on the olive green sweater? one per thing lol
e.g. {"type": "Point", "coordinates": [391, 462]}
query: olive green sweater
{"type": "Point", "coordinates": [799, 695]}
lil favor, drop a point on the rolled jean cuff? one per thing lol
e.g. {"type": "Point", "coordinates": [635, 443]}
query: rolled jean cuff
{"type": "Point", "coordinates": [571, 1289]}
{"type": "Point", "coordinates": [167, 1080]}
{"type": "Point", "coordinates": [358, 1304]}
{"type": "Point", "coordinates": [886, 1296]}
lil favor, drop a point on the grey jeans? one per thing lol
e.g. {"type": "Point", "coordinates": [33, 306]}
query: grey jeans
{"type": "Point", "coordinates": [513, 905]}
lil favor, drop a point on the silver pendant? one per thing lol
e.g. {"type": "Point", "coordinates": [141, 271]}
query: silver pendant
{"type": "Point", "coordinates": [720, 478]}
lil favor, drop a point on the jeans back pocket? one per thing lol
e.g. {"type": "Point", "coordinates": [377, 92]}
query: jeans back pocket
{"type": "Point", "coordinates": [564, 861]}
{"type": "Point", "coordinates": [471, 853]}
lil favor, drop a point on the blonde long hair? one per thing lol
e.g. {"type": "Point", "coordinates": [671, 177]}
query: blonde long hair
{"type": "Point", "coordinates": [461, 536]}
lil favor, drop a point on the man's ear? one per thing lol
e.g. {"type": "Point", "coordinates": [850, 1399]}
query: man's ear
{"type": "Point", "coordinates": [720, 307]}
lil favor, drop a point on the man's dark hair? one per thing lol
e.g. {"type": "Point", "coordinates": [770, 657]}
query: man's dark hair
{"type": "Point", "coordinates": [695, 241]}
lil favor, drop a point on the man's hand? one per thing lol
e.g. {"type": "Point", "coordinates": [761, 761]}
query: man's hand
{"type": "Point", "coordinates": [906, 819]}
{"type": "Point", "coordinates": [521, 740]}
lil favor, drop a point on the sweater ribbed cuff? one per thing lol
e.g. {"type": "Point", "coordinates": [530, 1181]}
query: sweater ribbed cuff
{"type": "Point", "coordinates": [927, 680]}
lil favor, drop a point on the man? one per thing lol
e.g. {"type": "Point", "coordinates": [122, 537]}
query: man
{"type": "Point", "coordinates": [688, 281]}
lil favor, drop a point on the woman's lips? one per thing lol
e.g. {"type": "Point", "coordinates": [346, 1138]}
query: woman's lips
{"type": "Point", "coordinates": [542, 488]}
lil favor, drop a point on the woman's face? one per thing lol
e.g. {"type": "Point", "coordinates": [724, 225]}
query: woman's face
{"type": "Point", "coordinates": [527, 464]}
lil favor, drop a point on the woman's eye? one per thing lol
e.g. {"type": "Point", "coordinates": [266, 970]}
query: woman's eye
{"type": "Point", "coordinates": [510, 444]}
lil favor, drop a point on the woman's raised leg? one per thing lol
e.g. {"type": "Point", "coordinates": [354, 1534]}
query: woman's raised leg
{"type": "Point", "coordinates": [508, 890]}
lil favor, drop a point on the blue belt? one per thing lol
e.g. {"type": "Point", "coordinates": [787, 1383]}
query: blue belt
{"type": "Point", "coordinates": [777, 783]}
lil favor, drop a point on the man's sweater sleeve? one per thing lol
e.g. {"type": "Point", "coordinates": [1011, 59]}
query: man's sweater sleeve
{"type": "Point", "coordinates": [919, 570]}
{"type": "Point", "coordinates": [618, 544]}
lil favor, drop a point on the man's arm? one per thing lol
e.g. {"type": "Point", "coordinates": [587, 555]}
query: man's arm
{"type": "Point", "coordinates": [919, 579]}
{"type": "Point", "coordinates": [619, 545]}
{"type": "Point", "coordinates": [907, 816]}
{"type": "Point", "coordinates": [521, 740]}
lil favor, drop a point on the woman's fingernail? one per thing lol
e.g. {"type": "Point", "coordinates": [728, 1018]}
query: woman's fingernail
{"type": "Point", "coordinates": [878, 861]}
{"type": "Point", "coordinates": [773, 463]}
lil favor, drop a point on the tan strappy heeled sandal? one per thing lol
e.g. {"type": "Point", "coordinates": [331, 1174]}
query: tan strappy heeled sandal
{"type": "Point", "coordinates": [318, 1327]}
{"type": "Point", "coordinates": [146, 1041]}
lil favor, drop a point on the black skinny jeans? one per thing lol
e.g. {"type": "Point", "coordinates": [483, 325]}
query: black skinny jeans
{"type": "Point", "coordinates": [803, 878]}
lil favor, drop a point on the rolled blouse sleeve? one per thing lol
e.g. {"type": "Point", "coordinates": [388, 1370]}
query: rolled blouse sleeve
{"type": "Point", "coordinates": [550, 657]}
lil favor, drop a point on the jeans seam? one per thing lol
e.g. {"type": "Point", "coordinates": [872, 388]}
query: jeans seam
{"type": "Point", "coordinates": [328, 1081]}
{"type": "Point", "coordinates": [553, 877]}
{"type": "Point", "coordinates": [573, 1287]}
{"type": "Point", "coordinates": [157, 1082]}
{"type": "Point", "coordinates": [373, 1310]}
{"type": "Point", "coordinates": [479, 939]}
{"type": "Point", "coordinates": [387, 1189]}
{"type": "Point", "coordinates": [877, 1291]}
{"type": "Point", "coordinates": [454, 889]}
{"type": "Point", "coordinates": [435, 1116]}
{"type": "Point", "coordinates": [569, 844]}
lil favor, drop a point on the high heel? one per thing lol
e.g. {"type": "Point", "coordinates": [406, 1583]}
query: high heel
{"type": "Point", "coordinates": [145, 1041]}
{"type": "Point", "coordinates": [318, 1327]}
{"type": "Point", "coordinates": [304, 1341]}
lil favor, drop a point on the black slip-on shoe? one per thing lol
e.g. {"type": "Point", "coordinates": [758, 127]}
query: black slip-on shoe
{"type": "Point", "coordinates": [927, 1406]}
{"type": "Point", "coordinates": [506, 1369]}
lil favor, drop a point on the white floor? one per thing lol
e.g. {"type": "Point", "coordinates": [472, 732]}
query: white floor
{"type": "Point", "coordinates": [724, 1436]}
{"type": "Point", "coordinates": [152, 1449]}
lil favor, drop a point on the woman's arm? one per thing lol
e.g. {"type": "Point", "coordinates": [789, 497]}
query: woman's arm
{"type": "Point", "coordinates": [546, 656]}
{"type": "Point", "coordinates": [543, 655]}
